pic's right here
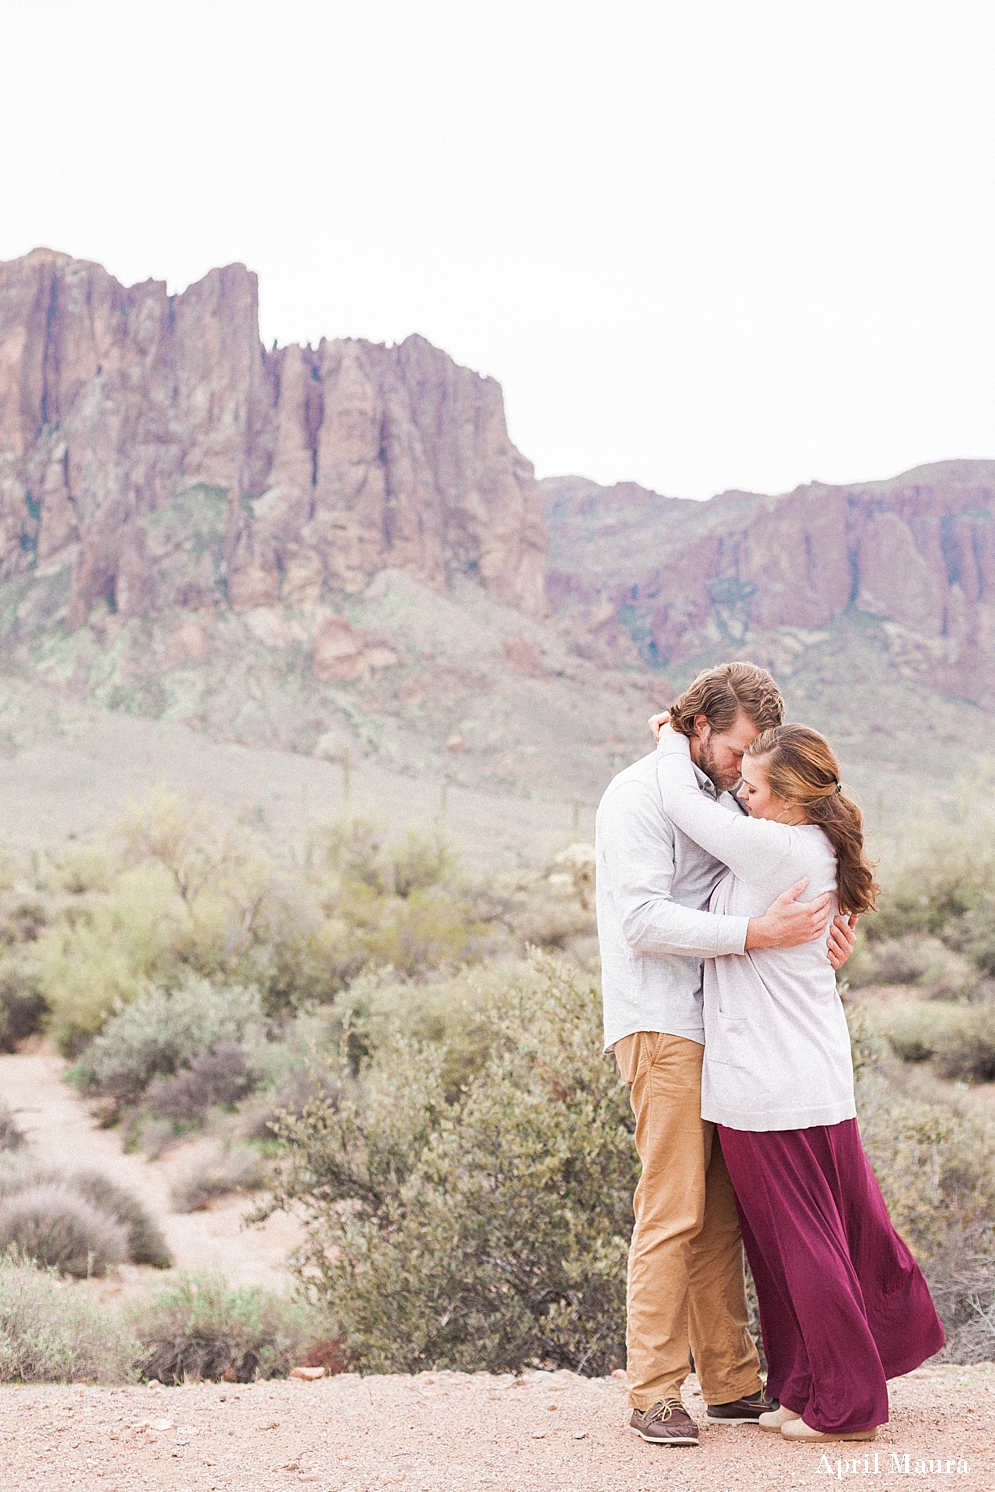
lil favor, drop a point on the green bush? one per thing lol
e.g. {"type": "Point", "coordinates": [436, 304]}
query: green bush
{"type": "Point", "coordinates": [53, 1333]}
{"type": "Point", "coordinates": [459, 1015]}
{"type": "Point", "coordinates": [161, 1031]}
{"type": "Point", "coordinates": [943, 885]}
{"type": "Point", "coordinates": [22, 1006]}
{"type": "Point", "coordinates": [958, 1039]}
{"type": "Point", "coordinates": [916, 959]}
{"type": "Point", "coordinates": [486, 1232]}
{"type": "Point", "coordinates": [54, 1225]}
{"type": "Point", "coordinates": [198, 1327]}
{"type": "Point", "coordinates": [102, 954]}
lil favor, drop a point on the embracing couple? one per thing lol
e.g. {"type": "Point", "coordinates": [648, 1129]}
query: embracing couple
{"type": "Point", "coordinates": [722, 920]}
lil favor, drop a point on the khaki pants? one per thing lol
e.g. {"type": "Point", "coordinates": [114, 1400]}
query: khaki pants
{"type": "Point", "coordinates": [686, 1280]}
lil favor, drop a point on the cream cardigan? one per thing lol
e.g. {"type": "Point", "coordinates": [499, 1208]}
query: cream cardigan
{"type": "Point", "coordinates": [777, 1047]}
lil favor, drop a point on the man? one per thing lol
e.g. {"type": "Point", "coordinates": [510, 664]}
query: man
{"type": "Point", "coordinates": [686, 1286]}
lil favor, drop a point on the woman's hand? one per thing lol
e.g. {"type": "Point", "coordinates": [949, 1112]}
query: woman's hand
{"type": "Point", "coordinates": [842, 940]}
{"type": "Point", "coordinates": [657, 722]}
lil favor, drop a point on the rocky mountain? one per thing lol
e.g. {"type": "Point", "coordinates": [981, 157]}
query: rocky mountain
{"type": "Point", "coordinates": [633, 575]}
{"type": "Point", "coordinates": [304, 470]}
{"type": "Point", "coordinates": [337, 551]}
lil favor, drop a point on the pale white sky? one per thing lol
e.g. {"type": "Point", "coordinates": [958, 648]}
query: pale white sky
{"type": "Point", "coordinates": [702, 244]}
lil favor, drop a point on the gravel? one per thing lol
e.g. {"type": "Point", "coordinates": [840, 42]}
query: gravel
{"type": "Point", "coordinates": [452, 1432]}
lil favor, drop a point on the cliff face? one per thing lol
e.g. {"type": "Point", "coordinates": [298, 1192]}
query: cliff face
{"type": "Point", "coordinates": [151, 443]}
{"type": "Point", "coordinates": [676, 580]}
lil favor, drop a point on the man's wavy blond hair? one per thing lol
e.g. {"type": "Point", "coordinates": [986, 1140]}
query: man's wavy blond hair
{"type": "Point", "coordinates": [721, 693]}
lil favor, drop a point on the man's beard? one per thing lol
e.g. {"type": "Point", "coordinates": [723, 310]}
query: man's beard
{"type": "Point", "coordinates": [723, 782]}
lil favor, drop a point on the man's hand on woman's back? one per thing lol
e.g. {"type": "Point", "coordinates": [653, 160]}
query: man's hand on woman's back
{"type": "Point", "coordinates": [788, 922]}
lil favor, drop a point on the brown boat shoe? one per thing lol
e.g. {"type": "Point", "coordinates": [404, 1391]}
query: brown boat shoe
{"type": "Point", "coordinates": [665, 1423]}
{"type": "Point", "coordinates": [744, 1411]}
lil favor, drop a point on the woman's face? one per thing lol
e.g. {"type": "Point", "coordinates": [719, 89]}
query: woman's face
{"type": "Point", "coordinates": [758, 800]}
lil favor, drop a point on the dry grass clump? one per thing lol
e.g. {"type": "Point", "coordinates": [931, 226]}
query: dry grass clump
{"type": "Point", "coordinates": [54, 1225]}
{"type": "Point", "coordinates": [53, 1333]}
{"type": "Point", "coordinates": [146, 1242]}
{"type": "Point", "coordinates": [198, 1327]}
{"type": "Point", "coordinates": [228, 1169]}
{"type": "Point", "coordinates": [76, 1222]}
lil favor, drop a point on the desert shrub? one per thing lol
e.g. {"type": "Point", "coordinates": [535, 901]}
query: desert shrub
{"type": "Point", "coordinates": [427, 929]}
{"type": "Point", "coordinates": [99, 956]}
{"type": "Point", "coordinates": [459, 1015]}
{"type": "Point", "coordinates": [965, 1049]}
{"type": "Point", "coordinates": [198, 1327]}
{"type": "Point", "coordinates": [298, 1089]}
{"type": "Point", "coordinates": [23, 919]}
{"type": "Point", "coordinates": [80, 868]}
{"type": "Point", "coordinates": [11, 1137]}
{"type": "Point", "coordinates": [934, 1156]}
{"type": "Point", "coordinates": [962, 1281]}
{"type": "Point", "coordinates": [943, 885]}
{"type": "Point", "coordinates": [555, 910]}
{"type": "Point", "coordinates": [488, 1232]}
{"type": "Point", "coordinates": [911, 1028]}
{"type": "Point", "coordinates": [356, 851]}
{"type": "Point", "coordinates": [959, 1039]}
{"type": "Point", "coordinates": [298, 954]}
{"type": "Point", "coordinates": [161, 1030]}
{"type": "Point", "coordinates": [232, 1168]}
{"type": "Point", "coordinates": [53, 1224]}
{"type": "Point", "coordinates": [917, 959]}
{"type": "Point", "coordinates": [221, 1076]}
{"type": "Point", "coordinates": [52, 1333]}
{"type": "Point", "coordinates": [934, 1159]}
{"type": "Point", "coordinates": [145, 1242]}
{"type": "Point", "coordinates": [22, 1005]}
{"type": "Point", "coordinates": [420, 861]}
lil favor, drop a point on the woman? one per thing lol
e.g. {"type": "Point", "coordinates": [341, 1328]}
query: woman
{"type": "Point", "coordinates": [843, 1305]}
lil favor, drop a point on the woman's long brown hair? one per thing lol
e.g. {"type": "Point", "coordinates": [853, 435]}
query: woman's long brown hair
{"type": "Point", "coordinates": [800, 766]}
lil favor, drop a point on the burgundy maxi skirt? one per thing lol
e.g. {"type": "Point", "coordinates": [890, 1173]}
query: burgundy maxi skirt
{"type": "Point", "coordinates": [843, 1304]}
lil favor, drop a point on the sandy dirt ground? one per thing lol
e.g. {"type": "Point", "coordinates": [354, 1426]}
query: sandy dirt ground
{"type": "Point", "coordinates": [78, 781]}
{"type": "Point", "coordinates": [442, 1432]}
{"type": "Point", "coordinates": [449, 1432]}
{"type": "Point", "coordinates": [60, 1130]}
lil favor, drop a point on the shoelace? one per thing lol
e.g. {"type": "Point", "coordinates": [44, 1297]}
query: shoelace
{"type": "Point", "coordinates": [664, 1410]}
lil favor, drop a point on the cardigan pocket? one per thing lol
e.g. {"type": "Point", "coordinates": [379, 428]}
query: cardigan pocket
{"type": "Point", "coordinates": [728, 1043]}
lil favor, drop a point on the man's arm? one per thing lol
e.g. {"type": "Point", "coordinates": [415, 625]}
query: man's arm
{"type": "Point", "coordinates": [778, 928]}
{"type": "Point", "coordinates": [636, 853]}
{"type": "Point", "coordinates": [788, 921]}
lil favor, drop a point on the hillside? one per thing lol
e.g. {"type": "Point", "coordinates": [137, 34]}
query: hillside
{"type": "Point", "coordinates": [669, 581]}
{"type": "Point", "coordinates": [337, 553]}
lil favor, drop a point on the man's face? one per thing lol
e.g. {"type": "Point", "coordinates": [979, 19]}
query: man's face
{"type": "Point", "coordinates": [720, 757]}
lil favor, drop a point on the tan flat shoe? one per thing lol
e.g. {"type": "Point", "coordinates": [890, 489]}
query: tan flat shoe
{"type": "Point", "coordinates": [797, 1429]}
{"type": "Point", "coordinates": [775, 1418]}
